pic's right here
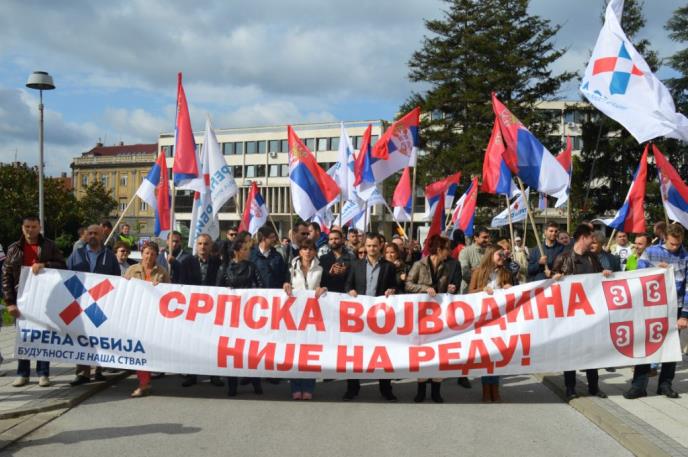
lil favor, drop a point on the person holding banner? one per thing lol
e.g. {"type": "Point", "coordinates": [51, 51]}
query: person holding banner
{"type": "Point", "coordinates": [147, 270]}
{"type": "Point", "coordinates": [336, 263]}
{"type": "Point", "coordinates": [580, 260]}
{"type": "Point", "coordinates": [35, 251]}
{"type": "Point", "coordinates": [306, 274]}
{"type": "Point", "coordinates": [270, 263]}
{"type": "Point", "coordinates": [431, 275]}
{"type": "Point", "coordinates": [237, 272]}
{"type": "Point", "coordinates": [491, 274]}
{"type": "Point", "coordinates": [375, 277]}
{"type": "Point", "coordinates": [669, 254]}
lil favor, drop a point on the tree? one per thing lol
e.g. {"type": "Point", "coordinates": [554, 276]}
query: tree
{"type": "Point", "coordinates": [610, 155]}
{"type": "Point", "coordinates": [97, 203]}
{"type": "Point", "coordinates": [476, 48]}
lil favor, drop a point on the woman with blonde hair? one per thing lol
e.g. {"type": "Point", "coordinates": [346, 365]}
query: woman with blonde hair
{"type": "Point", "coordinates": [491, 274]}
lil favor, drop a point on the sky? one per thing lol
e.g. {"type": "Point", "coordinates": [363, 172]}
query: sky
{"type": "Point", "coordinates": [263, 62]}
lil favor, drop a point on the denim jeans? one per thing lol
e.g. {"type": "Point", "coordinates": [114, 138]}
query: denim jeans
{"type": "Point", "coordinates": [642, 372]}
{"type": "Point", "coordinates": [490, 380]}
{"type": "Point", "coordinates": [302, 385]}
{"type": "Point", "coordinates": [24, 368]}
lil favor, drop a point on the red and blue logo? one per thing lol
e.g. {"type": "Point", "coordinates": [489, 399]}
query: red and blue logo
{"type": "Point", "coordinates": [621, 66]}
{"type": "Point", "coordinates": [87, 297]}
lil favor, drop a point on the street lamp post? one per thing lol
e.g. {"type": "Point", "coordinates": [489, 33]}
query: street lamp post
{"type": "Point", "coordinates": [40, 80]}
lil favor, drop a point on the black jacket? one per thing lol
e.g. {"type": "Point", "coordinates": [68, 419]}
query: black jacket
{"type": "Point", "coordinates": [186, 270]}
{"type": "Point", "coordinates": [273, 270]}
{"type": "Point", "coordinates": [106, 262]}
{"type": "Point", "coordinates": [357, 278]}
{"type": "Point", "coordinates": [537, 271]}
{"type": "Point", "coordinates": [211, 274]}
{"type": "Point", "coordinates": [332, 282]}
{"type": "Point", "coordinates": [239, 275]}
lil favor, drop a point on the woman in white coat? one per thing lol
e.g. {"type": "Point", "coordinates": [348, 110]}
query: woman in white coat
{"type": "Point", "coordinates": [306, 274]}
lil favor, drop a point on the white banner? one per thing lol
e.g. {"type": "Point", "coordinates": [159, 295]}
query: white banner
{"type": "Point", "coordinates": [584, 321]}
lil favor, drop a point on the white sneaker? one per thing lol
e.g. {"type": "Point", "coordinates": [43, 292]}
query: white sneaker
{"type": "Point", "coordinates": [20, 381]}
{"type": "Point", "coordinates": [44, 381]}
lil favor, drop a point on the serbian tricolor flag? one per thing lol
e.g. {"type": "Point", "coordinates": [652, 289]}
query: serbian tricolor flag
{"type": "Point", "coordinates": [446, 186]}
{"type": "Point", "coordinates": [185, 167]}
{"type": "Point", "coordinates": [566, 161]}
{"type": "Point", "coordinates": [496, 173]}
{"type": "Point", "coordinates": [312, 189]}
{"type": "Point", "coordinates": [363, 171]}
{"type": "Point", "coordinates": [437, 224]}
{"type": "Point", "coordinates": [631, 217]}
{"type": "Point", "coordinates": [464, 213]}
{"type": "Point", "coordinates": [402, 199]}
{"type": "Point", "coordinates": [397, 148]}
{"type": "Point", "coordinates": [155, 191]}
{"type": "Point", "coordinates": [255, 211]}
{"type": "Point", "coordinates": [674, 190]}
{"type": "Point", "coordinates": [452, 183]}
{"type": "Point", "coordinates": [527, 157]}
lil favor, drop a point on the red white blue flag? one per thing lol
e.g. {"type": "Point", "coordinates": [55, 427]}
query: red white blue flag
{"type": "Point", "coordinates": [631, 217]}
{"type": "Point", "coordinates": [402, 197]}
{"type": "Point", "coordinates": [187, 173]}
{"type": "Point", "coordinates": [674, 190]}
{"type": "Point", "coordinates": [255, 211]}
{"type": "Point", "coordinates": [155, 191]}
{"type": "Point", "coordinates": [464, 213]}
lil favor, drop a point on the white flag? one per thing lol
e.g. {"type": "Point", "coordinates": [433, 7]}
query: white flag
{"type": "Point", "coordinates": [619, 83]}
{"type": "Point", "coordinates": [518, 211]}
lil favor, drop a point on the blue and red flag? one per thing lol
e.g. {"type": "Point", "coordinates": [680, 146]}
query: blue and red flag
{"type": "Point", "coordinates": [631, 217]}
{"type": "Point", "coordinates": [255, 211]}
{"type": "Point", "coordinates": [447, 187]}
{"type": "Point", "coordinates": [464, 213]}
{"type": "Point", "coordinates": [496, 173]}
{"type": "Point", "coordinates": [185, 166]}
{"type": "Point", "coordinates": [674, 190]}
{"type": "Point", "coordinates": [437, 224]}
{"type": "Point", "coordinates": [566, 161]}
{"type": "Point", "coordinates": [527, 157]}
{"type": "Point", "coordinates": [155, 191]}
{"type": "Point", "coordinates": [402, 199]}
{"type": "Point", "coordinates": [312, 189]}
{"type": "Point", "coordinates": [363, 171]}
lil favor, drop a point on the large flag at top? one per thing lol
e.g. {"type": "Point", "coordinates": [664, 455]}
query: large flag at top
{"type": "Point", "coordinates": [674, 190]}
{"type": "Point", "coordinates": [631, 217]}
{"type": "Point", "coordinates": [619, 83]}
{"type": "Point", "coordinates": [155, 191]}
{"type": "Point", "coordinates": [255, 211]}
{"type": "Point", "coordinates": [527, 157]}
{"type": "Point", "coordinates": [397, 148]}
{"type": "Point", "coordinates": [312, 189]}
{"type": "Point", "coordinates": [187, 172]}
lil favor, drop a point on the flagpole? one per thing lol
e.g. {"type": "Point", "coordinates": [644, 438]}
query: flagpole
{"type": "Point", "coordinates": [413, 201]}
{"type": "Point", "coordinates": [291, 216]}
{"type": "Point", "coordinates": [395, 220]}
{"type": "Point", "coordinates": [568, 202]}
{"type": "Point", "coordinates": [272, 221]}
{"type": "Point", "coordinates": [532, 220]}
{"type": "Point", "coordinates": [173, 190]}
{"type": "Point", "coordinates": [511, 226]}
{"type": "Point", "coordinates": [611, 237]}
{"type": "Point", "coordinates": [107, 240]}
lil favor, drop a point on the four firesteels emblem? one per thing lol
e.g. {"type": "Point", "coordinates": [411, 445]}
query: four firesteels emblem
{"type": "Point", "coordinates": [89, 297]}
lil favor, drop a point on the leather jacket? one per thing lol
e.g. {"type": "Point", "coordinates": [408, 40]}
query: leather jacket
{"type": "Point", "coordinates": [239, 275]}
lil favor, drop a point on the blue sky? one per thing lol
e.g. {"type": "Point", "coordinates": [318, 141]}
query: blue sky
{"type": "Point", "coordinates": [260, 63]}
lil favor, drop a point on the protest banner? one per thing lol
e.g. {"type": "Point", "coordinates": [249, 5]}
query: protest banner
{"type": "Point", "coordinates": [584, 321]}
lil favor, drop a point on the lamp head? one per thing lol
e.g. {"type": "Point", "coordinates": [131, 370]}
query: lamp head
{"type": "Point", "coordinates": [40, 80]}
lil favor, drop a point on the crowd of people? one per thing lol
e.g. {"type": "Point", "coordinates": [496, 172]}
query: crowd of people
{"type": "Point", "coordinates": [356, 264]}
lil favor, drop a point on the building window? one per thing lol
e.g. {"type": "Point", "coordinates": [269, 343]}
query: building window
{"type": "Point", "coordinates": [356, 142]}
{"type": "Point", "coordinates": [255, 171]}
{"type": "Point", "coordinates": [251, 147]}
{"type": "Point", "coordinates": [285, 145]}
{"type": "Point", "coordinates": [238, 171]}
{"type": "Point", "coordinates": [84, 180]}
{"type": "Point", "coordinates": [144, 206]}
{"type": "Point", "coordinates": [228, 148]}
{"type": "Point", "coordinates": [260, 171]}
{"type": "Point", "coordinates": [123, 179]}
{"type": "Point", "coordinates": [262, 147]}
{"type": "Point", "coordinates": [104, 180]}
{"type": "Point", "coordinates": [274, 171]}
{"type": "Point", "coordinates": [334, 143]}
{"type": "Point", "coordinates": [168, 150]}
{"type": "Point", "coordinates": [323, 144]}
{"type": "Point", "coordinates": [122, 205]}
{"type": "Point", "coordinates": [284, 170]}
{"type": "Point", "coordinates": [310, 143]}
{"type": "Point", "coordinates": [239, 147]}
{"type": "Point", "coordinates": [274, 146]}
{"type": "Point", "coordinates": [577, 142]}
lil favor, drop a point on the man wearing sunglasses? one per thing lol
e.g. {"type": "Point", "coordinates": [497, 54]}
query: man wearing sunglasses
{"type": "Point", "coordinates": [299, 233]}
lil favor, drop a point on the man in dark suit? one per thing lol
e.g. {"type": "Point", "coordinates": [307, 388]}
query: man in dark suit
{"type": "Point", "coordinates": [208, 265]}
{"type": "Point", "coordinates": [182, 266]}
{"type": "Point", "coordinates": [375, 277]}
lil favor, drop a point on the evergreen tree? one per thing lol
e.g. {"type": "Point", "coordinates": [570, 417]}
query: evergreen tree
{"type": "Point", "coordinates": [610, 155]}
{"type": "Point", "coordinates": [477, 47]}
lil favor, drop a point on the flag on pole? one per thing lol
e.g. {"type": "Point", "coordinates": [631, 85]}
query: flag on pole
{"type": "Point", "coordinates": [437, 224]}
{"type": "Point", "coordinates": [155, 191]}
{"type": "Point", "coordinates": [402, 198]}
{"type": "Point", "coordinates": [397, 148]}
{"type": "Point", "coordinates": [518, 208]}
{"type": "Point", "coordinates": [619, 83]}
{"type": "Point", "coordinates": [185, 167]}
{"type": "Point", "coordinates": [255, 211]}
{"type": "Point", "coordinates": [527, 157]}
{"type": "Point", "coordinates": [496, 173]}
{"type": "Point", "coordinates": [363, 171]}
{"type": "Point", "coordinates": [464, 212]}
{"type": "Point", "coordinates": [674, 190]}
{"type": "Point", "coordinates": [566, 161]}
{"type": "Point", "coordinates": [343, 172]}
{"type": "Point", "coordinates": [446, 186]}
{"type": "Point", "coordinates": [631, 217]}
{"type": "Point", "coordinates": [452, 182]}
{"type": "Point", "coordinates": [311, 188]}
